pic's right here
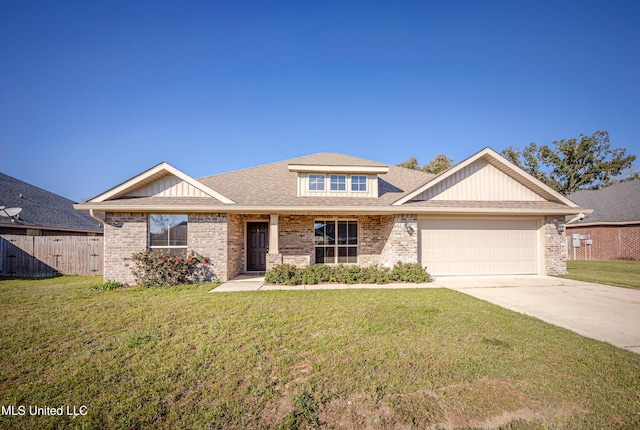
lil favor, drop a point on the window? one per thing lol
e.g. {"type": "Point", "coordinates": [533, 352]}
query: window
{"type": "Point", "coordinates": [168, 233]}
{"type": "Point", "coordinates": [336, 242]}
{"type": "Point", "coordinates": [316, 182]}
{"type": "Point", "coordinates": [338, 183]}
{"type": "Point", "coordinates": [358, 183]}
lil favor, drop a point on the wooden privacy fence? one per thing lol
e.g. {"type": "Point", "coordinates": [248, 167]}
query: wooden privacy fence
{"type": "Point", "coordinates": [41, 256]}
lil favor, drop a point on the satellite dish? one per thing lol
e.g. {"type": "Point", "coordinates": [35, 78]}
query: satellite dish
{"type": "Point", "coordinates": [9, 212]}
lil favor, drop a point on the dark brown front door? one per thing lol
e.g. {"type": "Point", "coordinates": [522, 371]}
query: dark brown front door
{"type": "Point", "coordinates": [257, 242]}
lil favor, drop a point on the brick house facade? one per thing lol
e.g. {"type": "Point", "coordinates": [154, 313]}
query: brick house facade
{"type": "Point", "coordinates": [255, 230]}
{"type": "Point", "coordinates": [608, 242]}
{"type": "Point", "coordinates": [613, 228]}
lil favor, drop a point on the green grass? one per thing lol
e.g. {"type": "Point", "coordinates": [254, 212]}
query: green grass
{"type": "Point", "coordinates": [185, 358]}
{"type": "Point", "coordinates": [616, 272]}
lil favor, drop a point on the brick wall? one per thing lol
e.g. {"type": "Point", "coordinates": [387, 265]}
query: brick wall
{"type": "Point", "coordinates": [555, 246]}
{"type": "Point", "coordinates": [122, 242]}
{"type": "Point", "coordinates": [382, 239]}
{"type": "Point", "coordinates": [296, 239]}
{"type": "Point", "coordinates": [372, 237]}
{"type": "Point", "coordinates": [610, 242]}
{"type": "Point", "coordinates": [207, 235]}
{"type": "Point", "coordinates": [400, 239]}
{"type": "Point", "coordinates": [235, 246]}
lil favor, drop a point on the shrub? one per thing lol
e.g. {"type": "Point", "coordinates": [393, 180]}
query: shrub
{"type": "Point", "coordinates": [284, 274]}
{"type": "Point", "coordinates": [107, 286]}
{"type": "Point", "coordinates": [409, 272]}
{"type": "Point", "coordinates": [158, 268]}
{"type": "Point", "coordinates": [288, 274]}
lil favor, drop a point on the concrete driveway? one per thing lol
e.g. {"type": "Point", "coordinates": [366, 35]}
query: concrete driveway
{"type": "Point", "coordinates": [601, 312]}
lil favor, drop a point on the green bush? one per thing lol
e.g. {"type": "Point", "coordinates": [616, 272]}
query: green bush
{"type": "Point", "coordinates": [107, 286]}
{"type": "Point", "coordinates": [284, 274]}
{"type": "Point", "coordinates": [160, 268]}
{"type": "Point", "coordinates": [288, 274]}
{"type": "Point", "coordinates": [409, 272]}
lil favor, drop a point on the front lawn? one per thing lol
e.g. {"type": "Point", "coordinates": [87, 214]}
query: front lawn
{"type": "Point", "coordinates": [185, 358]}
{"type": "Point", "coordinates": [616, 272]}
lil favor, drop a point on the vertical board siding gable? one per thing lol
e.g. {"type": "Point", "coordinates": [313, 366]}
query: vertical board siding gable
{"type": "Point", "coordinates": [167, 186]}
{"type": "Point", "coordinates": [480, 181]}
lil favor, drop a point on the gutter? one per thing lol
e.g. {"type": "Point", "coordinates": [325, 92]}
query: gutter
{"type": "Point", "coordinates": [596, 223]}
{"type": "Point", "coordinates": [97, 217]}
{"type": "Point", "coordinates": [576, 218]}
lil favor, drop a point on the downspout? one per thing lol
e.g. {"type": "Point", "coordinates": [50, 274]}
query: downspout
{"type": "Point", "coordinates": [97, 217]}
{"type": "Point", "coordinates": [575, 218]}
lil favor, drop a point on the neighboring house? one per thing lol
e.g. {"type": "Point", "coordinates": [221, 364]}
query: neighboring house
{"type": "Point", "coordinates": [483, 216]}
{"type": "Point", "coordinates": [613, 227]}
{"type": "Point", "coordinates": [43, 213]}
{"type": "Point", "coordinates": [47, 237]}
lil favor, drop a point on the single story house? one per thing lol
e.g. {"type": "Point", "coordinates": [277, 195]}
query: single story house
{"type": "Point", "coordinates": [612, 231]}
{"type": "Point", "coordinates": [483, 216]}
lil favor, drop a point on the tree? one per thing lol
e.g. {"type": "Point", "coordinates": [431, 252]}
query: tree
{"type": "Point", "coordinates": [440, 163]}
{"type": "Point", "coordinates": [573, 164]}
{"type": "Point", "coordinates": [411, 163]}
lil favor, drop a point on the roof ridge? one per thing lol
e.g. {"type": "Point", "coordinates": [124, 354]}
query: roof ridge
{"type": "Point", "coordinates": [293, 161]}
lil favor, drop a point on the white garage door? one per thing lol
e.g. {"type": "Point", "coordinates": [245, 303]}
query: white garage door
{"type": "Point", "coordinates": [479, 247]}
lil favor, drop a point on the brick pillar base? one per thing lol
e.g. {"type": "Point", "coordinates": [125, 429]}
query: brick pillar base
{"type": "Point", "coordinates": [273, 260]}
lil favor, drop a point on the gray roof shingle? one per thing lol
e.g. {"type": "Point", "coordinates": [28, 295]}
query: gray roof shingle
{"type": "Point", "coordinates": [618, 203]}
{"type": "Point", "coordinates": [274, 185]}
{"type": "Point", "coordinates": [41, 208]}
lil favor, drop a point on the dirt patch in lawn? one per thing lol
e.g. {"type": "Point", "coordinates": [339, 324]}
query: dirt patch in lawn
{"type": "Point", "coordinates": [486, 404]}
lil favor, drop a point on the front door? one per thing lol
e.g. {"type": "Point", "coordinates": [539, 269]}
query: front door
{"type": "Point", "coordinates": [257, 246]}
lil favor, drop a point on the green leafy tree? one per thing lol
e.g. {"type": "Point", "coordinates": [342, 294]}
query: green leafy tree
{"type": "Point", "coordinates": [411, 163]}
{"type": "Point", "coordinates": [440, 163]}
{"type": "Point", "coordinates": [585, 162]}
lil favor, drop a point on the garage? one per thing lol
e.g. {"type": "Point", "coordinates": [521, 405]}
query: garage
{"type": "Point", "coordinates": [479, 246]}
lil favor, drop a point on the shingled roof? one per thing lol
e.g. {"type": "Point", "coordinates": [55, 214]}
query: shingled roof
{"type": "Point", "coordinates": [618, 203]}
{"type": "Point", "coordinates": [274, 185]}
{"type": "Point", "coordinates": [42, 209]}
{"type": "Point", "coordinates": [273, 188]}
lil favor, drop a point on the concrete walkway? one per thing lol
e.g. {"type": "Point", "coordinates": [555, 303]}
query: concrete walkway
{"type": "Point", "coordinates": [602, 312]}
{"type": "Point", "coordinates": [253, 283]}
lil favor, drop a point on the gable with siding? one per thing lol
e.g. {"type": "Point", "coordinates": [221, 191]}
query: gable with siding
{"type": "Point", "coordinates": [167, 186]}
{"type": "Point", "coordinates": [480, 181]}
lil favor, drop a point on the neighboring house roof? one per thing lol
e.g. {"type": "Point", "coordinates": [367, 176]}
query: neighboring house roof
{"type": "Point", "coordinates": [41, 209]}
{"type": "Point", "coordinates": [276, 187]}
{"type": "Point", "coordinates": [616, 204]}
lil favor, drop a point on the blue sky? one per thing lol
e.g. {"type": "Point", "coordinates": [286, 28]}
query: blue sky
{"type": "Point", "coordinates": [95, 92]}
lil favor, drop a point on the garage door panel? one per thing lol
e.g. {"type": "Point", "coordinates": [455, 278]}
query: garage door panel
{"type": "Point", "coordinates": [478, 247]}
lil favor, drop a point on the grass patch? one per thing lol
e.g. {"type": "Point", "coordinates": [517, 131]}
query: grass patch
{"type": "Point", "coordinates": [616, 272]}
{"type": "Point", "coordinates": [184, 358]}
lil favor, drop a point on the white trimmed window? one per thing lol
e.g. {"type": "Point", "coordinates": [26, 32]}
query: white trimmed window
{"type": "Point", "coordinates": [336, 241]}
{"type": "Point", "coordinates": [358, 183]}
{"type": "Point", "coordinates": [316, 182]}
{"type": "Point", "coordinates": [168, 232]}
{"type": "Point", "coordinates": [338, 183]}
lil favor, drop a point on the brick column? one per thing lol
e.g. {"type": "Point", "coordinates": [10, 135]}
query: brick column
{"type": "Point", "coordinates": [555, 246]}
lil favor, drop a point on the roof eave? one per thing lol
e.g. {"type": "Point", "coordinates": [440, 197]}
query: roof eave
{"type": "Point", "coordinates": [597, 223]}
{"type": "Point", "coordinates": [331, 209]}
